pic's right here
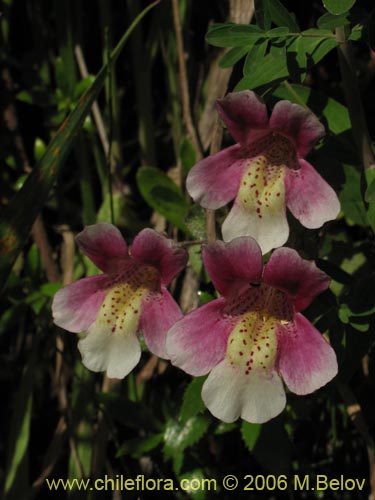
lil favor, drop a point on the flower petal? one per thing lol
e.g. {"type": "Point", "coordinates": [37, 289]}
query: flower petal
{"type": "Point", "coordinates": [298, 123]}
{"type": "Point", "coordinates": [231, 265]}
{"type": "Point", "coordinates": [159, 313]}
{"type": "Point", "coordinates": [116, 353]}
{"type": "Point", "coordinates": [155, 250]}
{"type": "Point", "coordinates": [214, 181]}
{"type": "Point", "coordinates": [229, 394]}
{"type": "Point", "coordinates": [198, 342]}
{"type": "Point", "coordinates": [300, 279]}
{"type": "Point", "coordinates": [307, 361]}
{"type": "Point", "coordinates": [259, 209]}
{"type": "Point", "coordinates": [103, 244]}
{"type": "Point", "coordinates": [111, 343]}
{"type": "Point", "coordinates": [309, 197]}
{"type": "Point", "coordinates": [75, 307]}
{"type": "Point", "coordinates": [244, 114]}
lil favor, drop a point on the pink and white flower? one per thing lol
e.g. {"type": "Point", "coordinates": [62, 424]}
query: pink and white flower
{"type": "Point", "coordinates": [254, 336]}
{"type": "Point", "coordinates": [264, 172]}
{"type": "Point", "coordinates": [130, 296]}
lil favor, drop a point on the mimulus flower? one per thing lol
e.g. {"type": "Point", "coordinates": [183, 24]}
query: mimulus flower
{"type": "Point", "coordinates": [111, 308]}
{"type": "Point", "coordinates": [264, 171]}
{"type": "Point", "coordinates": [254, 335]}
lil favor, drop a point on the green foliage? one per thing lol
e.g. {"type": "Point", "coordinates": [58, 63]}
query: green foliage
{"type": "Point", "coordinates": [163, 195]}
{"type": "Point", "coordinates": [180, 435]}
{"type": "Point", "coordinates": [192, 403]}
{"type": "Point", "coordinates": [61, 420]}
{"type": "Point", "coordinates": [338, 7]}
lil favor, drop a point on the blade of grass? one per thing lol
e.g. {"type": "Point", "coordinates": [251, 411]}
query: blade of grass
{"type": "Point", "coordinates": [26, 204]}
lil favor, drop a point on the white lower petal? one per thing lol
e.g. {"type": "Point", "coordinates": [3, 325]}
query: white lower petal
{"type": "Point", "coordinates": [115, 353]}
{"type": "Point", "coordinates": [229, 394]}
{"type": "Point", "coordinates": [259, 209]}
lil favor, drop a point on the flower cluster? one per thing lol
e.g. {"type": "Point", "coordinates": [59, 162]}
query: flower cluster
{"type": "Point", "coordinates": [253, 337]}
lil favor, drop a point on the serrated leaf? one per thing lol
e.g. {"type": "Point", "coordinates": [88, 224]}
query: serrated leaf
{"type": "Point", "coordinates": [250, 434]}
{"type": "Point", "coordinates": [233, 35]}
{"type": "Point", "coordinates": [163, 195]}
{"type": "Point", "coordinates": [281, 17]}
{"type": "Point", "coordinates": [338, 7]}
{"type": "Point", "coordinates": [196, 222]}
{"type": "Point", "coordinates": [22, 210]}
{"type": "Point", "coordinates": [192, 403]}
{"type": "Point", "coordinates": [193, 478]}
{"type": "Point", "coordinates": [181, 435]}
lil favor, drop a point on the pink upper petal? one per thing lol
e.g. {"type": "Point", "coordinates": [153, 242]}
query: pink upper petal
{"type": "Point", "coordinates": [300, 279]}
{"type": "Point", "coordinates": [214, 181]}
{"type": "Point", "coordinates": [309, 197]}
{"type": "Point", "coordinates": [299, 124]}
{"type": "Point", "coordinates": [306, 360]}
{"type": "Point", "coordinates": [234, 264]}
{"type": "Point", "coordinates": [155, 250]}
{"type": "Point", "coordinates": [75, 307]}
{"type": "Point", "coordinates": [198, 342]}
{"type": "Point", "coordinates": [244, 114]}
{"type": "Point", "coordinates": [159, 313]}
{"type": "Point", "coordinates": [103, 244]}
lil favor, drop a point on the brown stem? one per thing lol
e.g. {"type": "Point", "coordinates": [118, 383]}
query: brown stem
{"type": "Point", "coordinates": [353, 99]}
{"type": "Point", "coordinates": [184, 82]}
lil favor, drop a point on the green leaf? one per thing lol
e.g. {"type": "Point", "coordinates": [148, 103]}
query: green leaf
{"type": "Point", "coordinates": [163, 195]}
{"type": "Point", "coordinates": [281, 17]}
{"type": "Point", "coordinates": [338, 7]}
{"type": "Point", "coordinates": [330, 21]}
{"type": "Point", "coordinates": [39, 149]}
{"type": "Point", "coordinates": [336, 114]}
{"type": "Point", "coordinates": [187, 156]}
{"type": "Point", "coordinates": [262, 14]}
{"type": "Point", "coordinates": [351, 197]}
{"type": "Point", "coordinates": [20, 432]}
{"type": "Point", "coordinates": [192, 403]}
{"type": "Point", "coordinates": [254, 57]}
{"type": "Point", "coordinates": [250, 434]}
{"type": "Point", "coordinates": [370, 181]}
{"type": "Point", "coordinates": [233, 55]}
{"type": "Point", "coordinates": [267, 70]}
{"type": "Point", "coordinates": [123, 214]}
{"type": "Point", "coordinates": [181, 435]}
{"type": "Point", "coordinates": [196, 222]}
{"type": "Point", "coordinates": [22, 210]}
{"type": "Point", "coordinates": [137, 447]}
{"type": "Point", "coordinates": [194, 477]}
{"type": "Point", "coordinates": [233, 35]}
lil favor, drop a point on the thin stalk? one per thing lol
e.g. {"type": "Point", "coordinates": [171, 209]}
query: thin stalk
{"type": "Point", "coordinates": [185, 97]}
